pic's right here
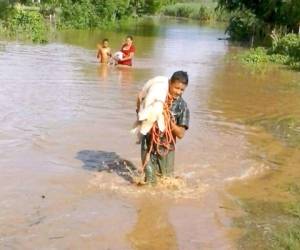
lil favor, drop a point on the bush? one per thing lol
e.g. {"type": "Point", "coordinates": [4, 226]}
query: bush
{"type": "Point", "coordinates": [79, 16]}
{"type": "Point", "coordinates": [99, 13]}
{"type": "Point", "coordinates": [28, 24]}
{"type": "Point", "coordinates": [270, 13]}
{"type": "Point", "coordinates": [203, 14]}
{"type": "Point", "coordinates": [179, 10]}
{"type": "Point", "coordinates": [47, 9]}
{"type": "Point", "coordinates": [255, 56]}
{"type": "Point", "coordinates": [151, 6]}
{"type": "Point", "coordinates": [92, 13]}
{"type": "Point", "coordinates": [284, 50]}
{"type": "Point", "coordinates": [277, 58]}
{"type": "Point", "coordinates": [188, 10]}
{"type": "Point", "coordinates": [4, 9]}
{"type": "Point", "coordinates": [242, 26]}
{"type": "Point", "coordinates": [288, 45]}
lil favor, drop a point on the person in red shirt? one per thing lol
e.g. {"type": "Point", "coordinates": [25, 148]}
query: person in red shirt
{"type": "Point", "coordinates": [128, 50]}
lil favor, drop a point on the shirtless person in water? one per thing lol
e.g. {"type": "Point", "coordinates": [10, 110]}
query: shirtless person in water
{"type": "Point", "coordinates": [104, 52]}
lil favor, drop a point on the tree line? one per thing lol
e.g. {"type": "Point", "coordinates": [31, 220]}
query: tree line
{"type": "Point", "coordinates": [259, 18]}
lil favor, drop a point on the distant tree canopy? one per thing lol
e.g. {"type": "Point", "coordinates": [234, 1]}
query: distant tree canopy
{"type": "Point", "coordinates": [90, 13]}
{"type": "Point", "coordinates": [272, 12]}
{"type": "Point", "coordinates": [147, 6]}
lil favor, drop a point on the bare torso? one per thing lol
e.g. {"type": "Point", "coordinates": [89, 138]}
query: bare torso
{"type": "Point", "coordinates": [104, 54]}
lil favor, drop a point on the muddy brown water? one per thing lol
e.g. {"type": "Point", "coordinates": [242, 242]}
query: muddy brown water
{"type": "Point", "coordinates": [61, 113]}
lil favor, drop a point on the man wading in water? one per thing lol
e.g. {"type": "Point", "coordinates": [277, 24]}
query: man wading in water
{"type": "Point", "coordinates": [158, 148]}
{"type": "Point", "coordinates": [104, 52]}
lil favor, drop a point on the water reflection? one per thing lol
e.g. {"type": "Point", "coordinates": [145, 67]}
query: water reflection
{"type": "Point", "coordinates": [153, 229]}
{"type": "Point", "coordinates": [266, 102]}
{"type": "Point", "coordinates": [103, 71]}
{"type": "Point", "coordinates": [125, 75]}
{"type": "Point", "coordinates": [53, 107]}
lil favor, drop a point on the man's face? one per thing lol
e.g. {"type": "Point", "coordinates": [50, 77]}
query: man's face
{"type": "Point", "coordinates": [105, 44]}
{"type": "Point", "coordinates": [176, 89]}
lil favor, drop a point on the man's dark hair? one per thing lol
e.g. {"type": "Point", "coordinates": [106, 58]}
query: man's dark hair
{"type": "Point", "coordinates": [104, 40]}
{"type": "Point", "coordinates": [130, 37]}
{"type": "Point", "coordinates": [180, 76]}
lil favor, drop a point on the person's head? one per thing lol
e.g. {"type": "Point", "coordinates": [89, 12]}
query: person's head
{"type": "Point", "coordinates": [129, 40]}
{"type": "Point", "coordinates": [178, 83]}
{"type": "Point", "coordinates": [105, 43]}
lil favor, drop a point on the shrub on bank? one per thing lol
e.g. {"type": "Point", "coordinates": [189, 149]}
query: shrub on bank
{"type": "Point", "coordinates": [4, 9]}
{"type": "Point", "coordinates": [83, 14]}
{"type": "Point", "coordinates": [284, 50]}
{"type": "Point", "coordinates": [288, 45]}
{"type": "Point", "coordinates": [189, 10]}
{"type": "Point", "coordinates": [243, 26]}
{"type": "Point", "coordinates": [28, 25]}
{"type": "Point", "coordinates": [255, 56]}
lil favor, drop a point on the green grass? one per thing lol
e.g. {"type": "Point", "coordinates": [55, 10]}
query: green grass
{"type": "Point", "coordinates": [267, 223]}
{"type": "Point", "coordinates": [271, 225]}
{"type": "Point", "coordinates": [256, 57]}
{"type": "Point", "coordinates": [25, 25]}
{"type": "Point", "coordinates": [285, 129]}
{"type": "Point", "coordinates": [284, 50]}
{"type": "Point", "coordinates": [197, 10]}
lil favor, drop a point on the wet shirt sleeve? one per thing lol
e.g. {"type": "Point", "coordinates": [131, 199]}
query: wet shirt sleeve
{"type": "Point", "coordinates": [183, 117]}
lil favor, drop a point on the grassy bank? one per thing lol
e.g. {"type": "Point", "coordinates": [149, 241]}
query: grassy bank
{"type": "Point", "coordinates": [32, 21]}
{"type": "Point", "coordinates": [24, 23]}
{"type": "Point", "coordinates": [197, 10]}
{"type": "Point", "coordinates": [270, 223]}
{"type": "Point", "coordinates": [271, 202]}
{"type": "Point", "coordinates": [284, 50]}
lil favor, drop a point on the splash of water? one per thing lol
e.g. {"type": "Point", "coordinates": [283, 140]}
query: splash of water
{"type": "Point", "coordinates": [169, 187]}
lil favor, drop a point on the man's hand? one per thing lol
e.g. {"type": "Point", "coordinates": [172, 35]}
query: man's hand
{"type": "Point", "coordinates": [178, 131]}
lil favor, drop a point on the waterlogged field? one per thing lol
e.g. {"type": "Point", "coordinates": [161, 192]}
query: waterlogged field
{"type": "Point", "coordinates": [266, 100]}
{"type": "Point", "coordinates": [67, 155]}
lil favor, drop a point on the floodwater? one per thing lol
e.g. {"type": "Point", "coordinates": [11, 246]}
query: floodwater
{"type": "Point", "coordinates": [63, 116]}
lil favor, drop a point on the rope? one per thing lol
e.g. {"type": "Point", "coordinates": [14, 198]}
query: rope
{"type": "Point", "coordinates": [161, 140]}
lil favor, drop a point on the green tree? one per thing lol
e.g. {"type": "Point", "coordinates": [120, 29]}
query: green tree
{"type": "Point", "coordinates": [273, 13]}
{"type": "Point", "coordinates": [4, 9]}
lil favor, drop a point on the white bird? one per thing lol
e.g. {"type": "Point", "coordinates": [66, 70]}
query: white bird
{"type": "Point", "coordinates": [153, 97]}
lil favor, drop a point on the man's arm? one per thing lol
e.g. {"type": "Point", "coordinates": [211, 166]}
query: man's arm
{"type": "Point", "coordinates": [177, 130]}
{"type": "Point", "coordinates": [182, 123]}
{"type": "Point", "coordinates": [109, 52]}
{"type": "Point", "coordinates": [99, 54]}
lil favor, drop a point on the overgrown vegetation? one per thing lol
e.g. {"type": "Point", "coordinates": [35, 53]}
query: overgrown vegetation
{"type": "Point", "coordinates": [256, 20]}
{"type": "Point", "coordinates": [29, 20]}
{"type": "Point", "coordinates": [189, 10]}
{"type": "Point", "coordinates": [285, 129]}
{"type": "Point", "coordinates": [284, 50]}
{"type": "Point", "coordinates": [25, 25]}
{"type": "Point", "coordinates": [199, 10]}
{"type": "Point", "coordinates": [272, 217]}
{"type": "Point", "coordinates": [272, 225]}
{"type": "Point", "coordinates": [273, 24]}
{"type": "Point", "coordinates": [243, 26]}
{"type": "Point", "coordinates": [100, 13]}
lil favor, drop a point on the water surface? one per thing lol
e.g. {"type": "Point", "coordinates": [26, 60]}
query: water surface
{"type": "Point", "coordinates": [60, 108]}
